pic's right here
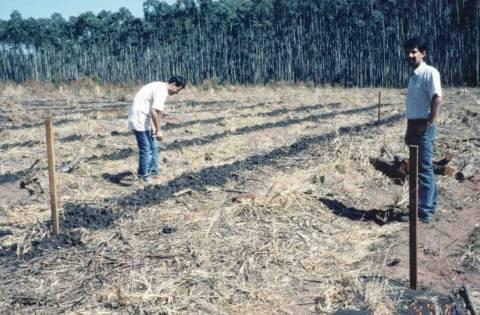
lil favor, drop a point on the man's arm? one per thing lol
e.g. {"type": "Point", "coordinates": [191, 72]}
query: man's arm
{"type": "Point", "coordinates": [434, 109]}
{"type": "Point", "coordinates": [156, 123]}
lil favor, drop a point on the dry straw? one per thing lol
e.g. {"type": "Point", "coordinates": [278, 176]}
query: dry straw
{"type": "Point", "coordinates": [248, 215]}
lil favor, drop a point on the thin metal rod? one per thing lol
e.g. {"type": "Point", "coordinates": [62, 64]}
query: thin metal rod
{"type": "Point", "coordinates": [413, 206]}
{"type": "Point", "coordinates": [51, 177]}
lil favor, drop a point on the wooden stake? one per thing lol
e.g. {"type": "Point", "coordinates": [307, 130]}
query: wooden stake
{"type": "Point", "coordinates": [413, 205]}
{"type": "Point", "coordinates": [379, 105]}
{"type": "Point", "coordinates": [51, 177]}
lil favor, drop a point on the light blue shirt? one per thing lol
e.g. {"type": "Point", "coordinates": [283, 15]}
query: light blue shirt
{"type": "Point", "coordinates": [422, 86]}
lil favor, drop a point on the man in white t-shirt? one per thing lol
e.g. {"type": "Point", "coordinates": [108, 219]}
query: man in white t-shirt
{"type": "Point", "coordinates": [144, 119]}
{"type": "Point", "coordinates": [421, 110]}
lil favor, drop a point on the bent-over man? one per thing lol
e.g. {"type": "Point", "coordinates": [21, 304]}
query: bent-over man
{"type": "Point", "coordinates": [144, 119]}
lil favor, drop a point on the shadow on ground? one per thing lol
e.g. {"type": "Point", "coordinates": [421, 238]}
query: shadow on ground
{"type": "Point", "coordinates": [124, 179]}
{"type": "Point", "coordinates": [379, 217]}
{"type": "Point", "coordinates": [11, 177]}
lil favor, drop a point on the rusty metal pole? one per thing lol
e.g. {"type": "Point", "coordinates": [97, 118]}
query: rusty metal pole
{"type": "Point", "coordinates": [379, 105]}
{"type": "Point", "coordinates": [51, 177]}
{"type": "Point", "coordinates": [413, 206]}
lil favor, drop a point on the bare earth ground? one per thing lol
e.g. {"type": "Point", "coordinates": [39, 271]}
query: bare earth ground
{"type": "Point", "coordinates": [265, 204]}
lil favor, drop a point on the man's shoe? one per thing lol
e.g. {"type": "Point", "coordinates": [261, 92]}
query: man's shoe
{"type": "Point", "coordinates": [425, 217]}
{"type": "Point", "coordinates": [143, 179]}
{"type": "Point", "coordinates": [405, 218]}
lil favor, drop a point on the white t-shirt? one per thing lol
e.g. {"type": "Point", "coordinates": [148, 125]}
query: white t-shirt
{"type": "Point", "coordinates": [422, 86]}
{"type": "Point", "coordinates": [152, 95]}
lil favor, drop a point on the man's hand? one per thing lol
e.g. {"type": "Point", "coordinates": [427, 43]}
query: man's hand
{"type": "Point", "coordinates": [434, 109]}
{"type": "Point", "coordinates": [430, 121]}
{"type": "Point", "coordinates": [159, 135]}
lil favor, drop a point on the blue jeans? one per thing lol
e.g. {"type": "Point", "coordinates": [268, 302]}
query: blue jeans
{"type": "Point", "coordinates": [427, 188]}
{"type": "Point", "coordinates": [148, 153]}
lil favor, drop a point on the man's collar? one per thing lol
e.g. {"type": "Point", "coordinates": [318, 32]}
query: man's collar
{"type": "Point", "coordinates": [420, 67]}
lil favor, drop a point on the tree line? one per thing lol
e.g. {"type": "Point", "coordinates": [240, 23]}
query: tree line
{"type": "Point", "coordinates": [344, 42]}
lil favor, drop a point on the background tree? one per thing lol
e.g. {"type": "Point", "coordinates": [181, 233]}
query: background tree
{"type": "Point", "coordinates": [344, 42]}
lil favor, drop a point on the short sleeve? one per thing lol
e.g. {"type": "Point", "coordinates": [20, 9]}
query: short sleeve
{"type": "Point", "coordinates": [435, 84]}
{"type": "Point", "coordinates": [159, 98]}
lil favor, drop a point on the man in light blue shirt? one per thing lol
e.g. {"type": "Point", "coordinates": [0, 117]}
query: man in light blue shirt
{"type": "Point", "coordinates": [421, 109]}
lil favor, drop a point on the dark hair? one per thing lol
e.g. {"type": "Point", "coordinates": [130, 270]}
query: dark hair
{"type": "Point", "coordinates": [178, 81]}
{"type": "Point", "coordinates": [416, 42]}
